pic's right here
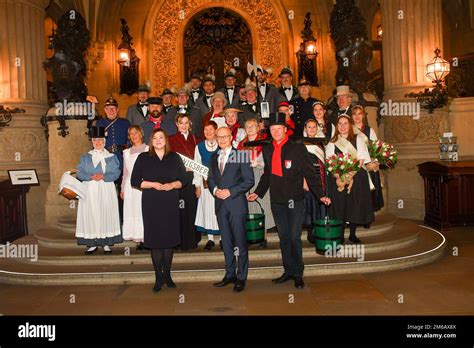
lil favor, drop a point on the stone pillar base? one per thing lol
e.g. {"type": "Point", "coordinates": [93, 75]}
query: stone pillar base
{"type": "Point", "coordinates": [64, 155]}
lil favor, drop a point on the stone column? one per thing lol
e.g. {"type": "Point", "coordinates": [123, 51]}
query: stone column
{"type": "Point", "coordinates": [412, 30]}
{"type": "Point", "coordinates": [23, 85]}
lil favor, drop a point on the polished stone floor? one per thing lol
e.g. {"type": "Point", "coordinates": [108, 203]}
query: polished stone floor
{"type": "Point", "coordinates": [445, 287]}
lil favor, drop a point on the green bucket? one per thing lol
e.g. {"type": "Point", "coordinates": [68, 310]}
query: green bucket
{"type": "Point", "coordinates": [327, 234]}
{"type": "Point", "coordinates": [255, 227]}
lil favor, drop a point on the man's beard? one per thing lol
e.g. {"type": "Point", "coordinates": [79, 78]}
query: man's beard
{"type": "Point", "coordinates": [155, 113]}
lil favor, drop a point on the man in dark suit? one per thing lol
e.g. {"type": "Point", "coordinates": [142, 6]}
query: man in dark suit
{"type": "Point", "coordinates": [287, 164]}
{"type": "Point", "coordinates": [302, 106]}
{"type": "Point", "coordinates": [231, 91]}
{"type": "Point", "coordinates": [250, 108]}
{"type": "Point", "coordinates": [184, 107]}
{"type": "Point", "coordinates": [167, 97]}
{"type": "Point", "coordinates": [204, 102]}
{"type": "Point", "coordinates": [287, 90]}
{"type": "Point", "coordinates": [138, 113]}
{"type": "Point", "coordinates": [196, 91]}
{"type": "Point", "coordinates": [268, 92]}
{"type": "Point", "coordinates": [230, 177]}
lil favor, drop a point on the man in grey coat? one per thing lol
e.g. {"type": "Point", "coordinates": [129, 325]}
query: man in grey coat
{"type": "Point", "coordinates": [138, 113]}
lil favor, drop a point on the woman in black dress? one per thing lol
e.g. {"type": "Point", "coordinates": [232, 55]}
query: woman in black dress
{"type": "Point", "coordinates": [354, 207]}
{"type": "Point", "coordinates": [359, 117]}
{"type": "Point", "coordinates": [160, 173]}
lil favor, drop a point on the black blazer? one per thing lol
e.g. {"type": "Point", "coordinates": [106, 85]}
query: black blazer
{"type": "Point", "coordinates": [296, 164]}
{"type": "Point", "coordinates": [237, 177]}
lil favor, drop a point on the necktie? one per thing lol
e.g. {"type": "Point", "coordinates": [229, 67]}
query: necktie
{"type": "Point", "coordinates": [287, 88]}
{"type": "Point", "coordinates": [222, 162]}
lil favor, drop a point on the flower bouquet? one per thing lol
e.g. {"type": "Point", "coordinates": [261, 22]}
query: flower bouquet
{"type": "Point", "coordinates": [343, 168]}
{"type": "Point", "coordinates": [384, 153]}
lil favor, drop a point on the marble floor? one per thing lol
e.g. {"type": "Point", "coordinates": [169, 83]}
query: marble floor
{"type": "Point", "coordinates": [445, 287]}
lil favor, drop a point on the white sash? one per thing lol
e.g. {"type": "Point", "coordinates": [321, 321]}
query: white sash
{"type": "Point", "coordinates": [316, 150]}
{"type": "Point", "coordinates": [362, 134]}
{"type": "Point", "coordinates": [195, 166]}
{"type": "Point", "coordinates": [346, 147]}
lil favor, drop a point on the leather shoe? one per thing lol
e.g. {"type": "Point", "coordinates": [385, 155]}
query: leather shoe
{"type": "Point", "coordinates": [209, 245]}
{"type": "Point", "coordinates": [224, 282]}
{"type": "Point", "coordinates": [220, 244]}
{"type": "Point", "coordinates": [283, 278]}
{"type": "Point", "coordinates": [239, 285]}
{"type": "Point", "coordinates": [140, 246]}
{"type": "Point", "coordinates": [299, 283]}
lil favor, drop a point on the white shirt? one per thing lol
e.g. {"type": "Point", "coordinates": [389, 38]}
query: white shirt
{"type": "Point", "coordinates": [185, 135]}
{"type": "Point", "coordinates": [288, 93]}
{"type": "Point", "coordinates": [144, 109]}
{"type": "Point", "coordinates": [222, 158]}
{"type": "Point", "coordinates": [263, 89]}
{"type": "Point", "coordinates": [230, 93]}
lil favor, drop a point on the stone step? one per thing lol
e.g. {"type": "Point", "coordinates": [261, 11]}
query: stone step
{"type": "Point", "coordinates": [58, 238]}
{"type": "Point", "coordinates": [429, 246]}
{"type": "Point", "coordinates": [401, 236]}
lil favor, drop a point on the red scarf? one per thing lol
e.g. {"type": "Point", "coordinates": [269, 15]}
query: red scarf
{"type": "Point", "coordinates": [291, 127]}
{"type": "Point", "coordinates": [255, 151]}
{"type": "Point", "coordinates": [157, 121]}
{"type": "Point", "coordinates": [234, 129]}
{"type": "Point", "coordinates": [276, 158]}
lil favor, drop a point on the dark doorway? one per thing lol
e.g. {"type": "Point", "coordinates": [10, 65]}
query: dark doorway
{"type": "Point", "coordinates": [215, 41]}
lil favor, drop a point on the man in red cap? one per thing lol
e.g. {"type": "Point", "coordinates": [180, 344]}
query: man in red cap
{"type": "Point", "coordinates": [285, 108]}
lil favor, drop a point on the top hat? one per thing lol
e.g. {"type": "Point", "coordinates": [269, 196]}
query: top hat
{"type": "Point", "coordinates": [97, 132]}
{"type": "Point", "coordinates": [278, 118]}
{"type": "Point", "coordinates": [342, 90]}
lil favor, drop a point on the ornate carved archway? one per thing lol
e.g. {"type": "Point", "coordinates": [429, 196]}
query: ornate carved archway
{"type": "Point", "coordinates": [215, 41]}
{"type": "Point", "coordinates": [168, 32]}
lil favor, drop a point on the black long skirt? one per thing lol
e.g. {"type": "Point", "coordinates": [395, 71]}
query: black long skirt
{"type": "Point", "coordinates": [356, 206]}
{"type": "Point", "coordinates": [313, 209]}
{"type": "Point", "coordinates": [377, 195]}
{"type": "Point", "coordinates": [190, 237]}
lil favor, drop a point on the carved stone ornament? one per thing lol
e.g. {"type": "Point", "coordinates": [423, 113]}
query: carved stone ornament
{"type": "Point", "coordinates": [174, 15]}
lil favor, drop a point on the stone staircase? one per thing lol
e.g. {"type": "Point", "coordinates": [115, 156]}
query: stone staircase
{"type": "Point", "coordinates": [389, 244]}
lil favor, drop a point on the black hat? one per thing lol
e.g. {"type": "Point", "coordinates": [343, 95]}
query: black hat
{"type": "Point", "coordinates": [111, 101]}
{"type": "Point", "coordinates": [143, 88]}
{"type": "Point", "coordinates": [303, 82]}
{"type": "Point", "coordinates": [167, 91]}
{"type": "Point", "coordinates": [286, 70]}
{"type": "Point", "coordinates": [230, 73]}
{"type": "Point", "coordinates": [278, 118]}
{"type": "Point", "coordinates": [209, 78]}
{"type": "Point", "coordinates": [97, 132]}
{"type": "Point", "coordinates": [196, 76]}
{"type": "Point", "coordinates": [155, 100]}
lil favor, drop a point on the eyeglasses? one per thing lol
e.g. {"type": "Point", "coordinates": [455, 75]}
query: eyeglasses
{"type": "Point", "coordinates": [223, 137]}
